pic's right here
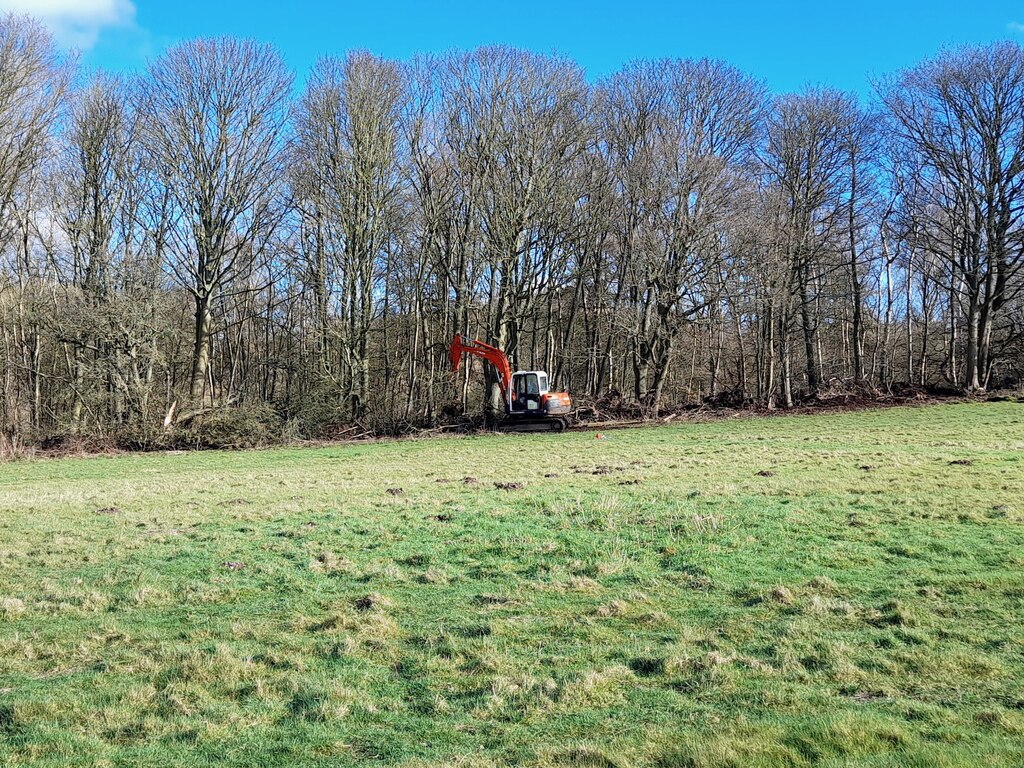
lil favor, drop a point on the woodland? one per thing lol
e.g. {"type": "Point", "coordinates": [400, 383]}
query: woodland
{"type": "Point", "coordinates": [215, 244]}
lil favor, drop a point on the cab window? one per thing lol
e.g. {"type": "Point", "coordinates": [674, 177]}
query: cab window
{"type": "Point", "coordinates": [527, 384]}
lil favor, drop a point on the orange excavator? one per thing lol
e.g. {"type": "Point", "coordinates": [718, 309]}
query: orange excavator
{"type": "Point", "coordinates": [529, 405]}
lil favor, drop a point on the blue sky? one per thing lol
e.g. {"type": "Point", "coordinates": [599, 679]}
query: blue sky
{"type": "Point", "coordinates": [788, 44]}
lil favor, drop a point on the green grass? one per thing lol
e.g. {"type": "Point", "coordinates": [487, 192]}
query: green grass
{"type": "Point", "coordinates": [860, 602]}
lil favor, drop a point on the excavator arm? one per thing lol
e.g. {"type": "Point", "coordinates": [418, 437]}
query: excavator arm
{"type": "Point", "coordinates": [492, 355]}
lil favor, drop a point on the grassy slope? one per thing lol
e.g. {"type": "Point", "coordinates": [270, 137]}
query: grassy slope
{"type": "Point", "coordinates": [827, 614]}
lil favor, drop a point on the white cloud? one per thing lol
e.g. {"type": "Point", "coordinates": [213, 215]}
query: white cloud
{"type": "Point", "coordinates": [1016, 26]}
{"type": "Point", "coordinates": [76, 23]}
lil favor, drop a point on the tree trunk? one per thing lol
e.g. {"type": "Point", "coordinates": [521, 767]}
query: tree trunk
{"type": "Point", "coordinates": [201, 347]}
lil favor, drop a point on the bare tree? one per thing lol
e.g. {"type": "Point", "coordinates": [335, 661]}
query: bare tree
{"type": "Point", "coordinates": [679, 134]}
{"type": "Point", "coordinates": [217, 118]}
{"type": "Point", "coordinates": [34, 79]}
{"type": "Point", "coordinates": [961, 116]}
{"type": "Point", "coordinates": [109, 262]}
{"type": "Point", "coordinates": [807, 158]}
{"type": "Point", "coordinates": [348, 150]}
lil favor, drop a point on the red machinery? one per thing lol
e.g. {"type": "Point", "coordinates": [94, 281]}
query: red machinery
{"type": "Point", "coordinates": [529, 405]}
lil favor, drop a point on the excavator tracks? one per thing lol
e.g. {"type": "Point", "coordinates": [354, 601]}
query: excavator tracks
{"type": "Point", "coordinates": [548, 424]}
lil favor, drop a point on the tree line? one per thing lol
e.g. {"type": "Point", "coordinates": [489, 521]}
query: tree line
{"type": "Point", "coordinates": [206, 237]}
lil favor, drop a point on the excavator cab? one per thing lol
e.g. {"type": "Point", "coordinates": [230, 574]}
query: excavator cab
{"type": "Point", "coordinates": [530, 398]}
{"type": "Point", "coordinates": [527, 389]}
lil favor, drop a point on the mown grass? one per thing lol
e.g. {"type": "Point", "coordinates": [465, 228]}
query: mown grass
{"type": "Point", "coordinates": [816, 590]}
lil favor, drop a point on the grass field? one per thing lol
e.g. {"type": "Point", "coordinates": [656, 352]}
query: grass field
{"type": "Point", "coordinates": [836, 590]}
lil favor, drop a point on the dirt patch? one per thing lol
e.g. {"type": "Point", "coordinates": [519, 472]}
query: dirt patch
{"type": "Point", "coordinates": [443, 517]}
{"type": "Point", "coordinates": [892, 614]}
{"type": "Point", "coordinates": [647, 666]}
{"type": "Point", "coordinates": [509, 486]}
{"type": "Point", "coordinates": [108, 511]}
{"type": "Point", "coordinates": [370, 602]}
